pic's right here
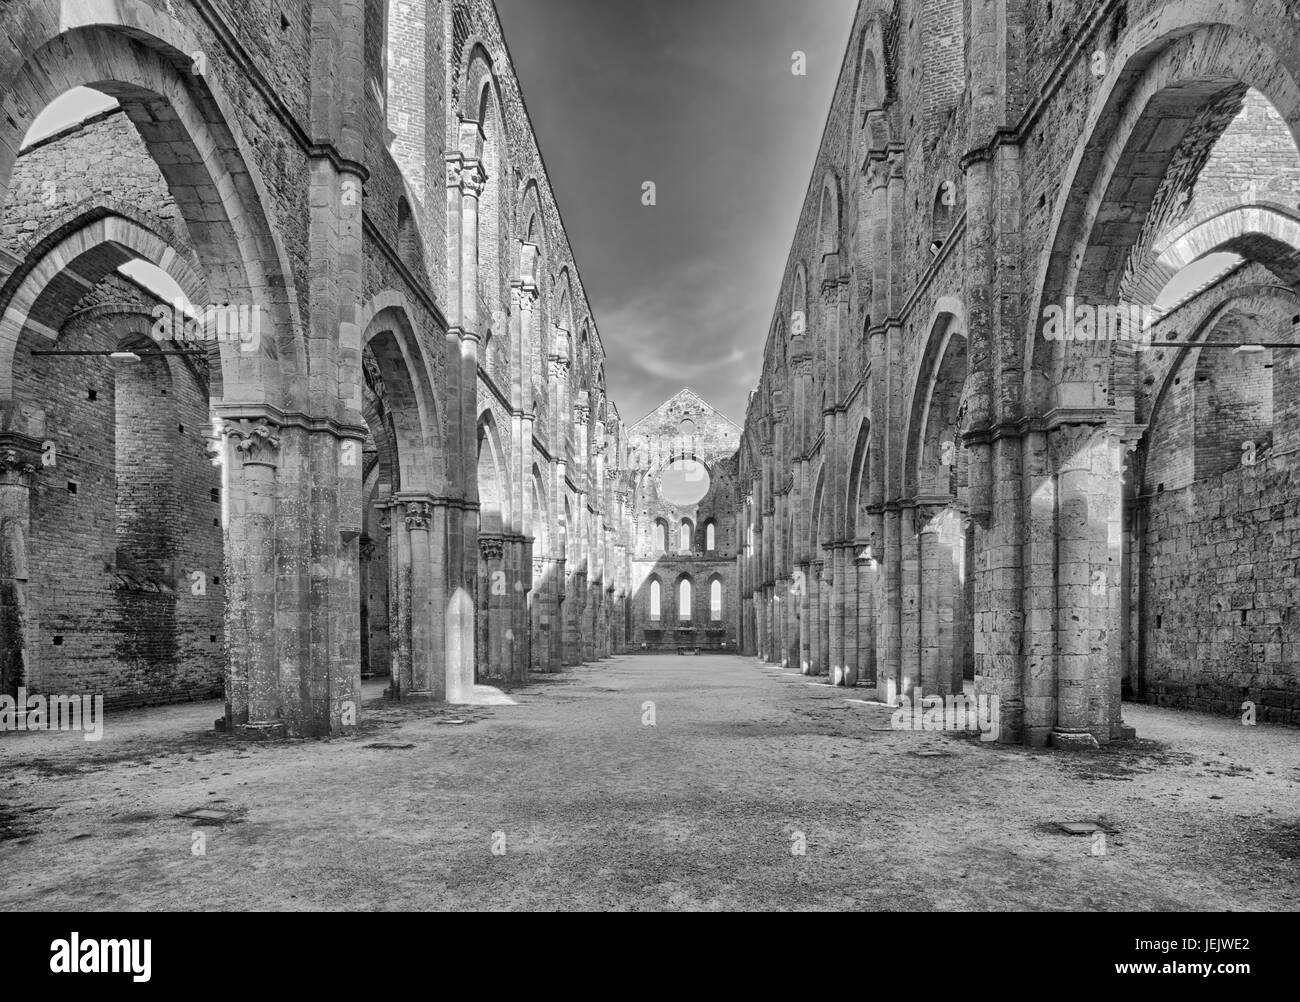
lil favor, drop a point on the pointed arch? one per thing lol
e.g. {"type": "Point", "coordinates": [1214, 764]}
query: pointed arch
{"type": "Point", "coordinates": [493, 477]}
{"type": "Point", "coordinates": [133, 52]}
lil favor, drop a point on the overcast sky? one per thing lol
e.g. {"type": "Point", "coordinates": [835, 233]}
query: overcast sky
{"type": "Point", "coordinates": [697, 96]}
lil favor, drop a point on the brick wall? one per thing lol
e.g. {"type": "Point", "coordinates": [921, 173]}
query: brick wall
{"type": "Point", "coordinates": [1219, 623]}
{"type": "Point", "coordinates": [113, 559]}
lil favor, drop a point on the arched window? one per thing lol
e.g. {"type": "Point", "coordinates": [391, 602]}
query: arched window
{"type": "Point", "coordinates": [684, 601]}
{"type": "Point", "coordinates": [715, 601]}
{"type": "Point", "coordinates": [655, 599]}
{"type": "Point", "coordinates": [710, 537]}
{"type": "Point", "coordinates": [686, 535]}
{"type": "Point", "coordinates": [660, 538]}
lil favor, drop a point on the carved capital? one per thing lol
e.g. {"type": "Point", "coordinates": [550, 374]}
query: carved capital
{"type": "Point", "coordinates": [878, 173]}
{"type": "Point", "coordinates": [255, 442]}
{"type": "Point", "coordinates": [491, 547]}
{"type": "Point", "coordinates": [927, 516]}
{"type": "Point", "coordinates": [523, 297]}
{"type": "Point", "coordinates": [473, 179]}
{"type": "Point", "coordinates": [1074, 446]}
{"type": "Point", "coordinates": [559, 368]}
{"type": "Point", "coordinates": [16, 463]}
{"type": "Point", "coordinates": [418, 515]}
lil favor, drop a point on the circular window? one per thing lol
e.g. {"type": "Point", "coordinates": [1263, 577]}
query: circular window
{"type": "Point", "coordinates": [684, 482]}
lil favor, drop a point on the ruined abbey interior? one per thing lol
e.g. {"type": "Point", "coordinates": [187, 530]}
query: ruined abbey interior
{"type": "Point", "coordinates": [301, 389]}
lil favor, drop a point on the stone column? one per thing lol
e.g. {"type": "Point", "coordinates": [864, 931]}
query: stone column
{"type": "Point", "coordinates": [1039, 586]}
{"type": "Point", "coordinates": [425, 529]}
{"type": "Point", "coordinates": [254, 705]}
{"type": "Point", "coordinates": [825, 590]}
{"type": "Point", "coordinates": [804, 589]}
{"type": "Point", "coordinates": [868, 572]}
{"type": "Point", "coordinates": [910, 603]}
{"type": "Point", "coordinates": [399, 591]}
{"type": "Point", "coordinates": [837, 666]}
{"type": "Point", "coordinates": [19, 461]}
{"type": "Point", "coordinates": [846, 572]}
{"type": "Point", "coordinates": [935, 639]}
{"type": "Point", "coordinates": [889, 658]}
{"type": "Point", "coordinates": [1088, 544]}
{"type": "Point", "coordinates": [494, 615]}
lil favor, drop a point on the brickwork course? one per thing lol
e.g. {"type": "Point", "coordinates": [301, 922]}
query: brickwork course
{"type": "Point", "coordinates": [407, 463]}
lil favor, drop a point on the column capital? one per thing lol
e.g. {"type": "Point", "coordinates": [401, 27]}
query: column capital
{"type": "Point", "coordinates": [524, 295]}
{"type": "Point", "coordinates": [491, 547]}
{"type": "Point", "coordinates": [1069, 446]}
{"type": "Point", "coordinates": [17, 465]}
{"type": "Point", "coordinates": [256, 442]}
{"type": "Point", "coordinates": [465, 174]}
{"type": "Point", "coordinates": [418, 514]}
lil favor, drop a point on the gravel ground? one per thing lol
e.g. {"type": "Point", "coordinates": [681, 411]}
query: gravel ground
{"type": "Point", "coordinates": [587, 807]}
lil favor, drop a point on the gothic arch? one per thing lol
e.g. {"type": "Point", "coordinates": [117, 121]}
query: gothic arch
{"type": "Point", "coordinates": [130, 51]}
{"type": "Point", "coordinates": [406, 373]}
{"type": "Point", "coordinates": [1170, 53]}
{"type": "Point", "coordinates": [936, 393]}
{"type": "Point", "coordinates": [73, 259]}
{"type": "Point", "coordinates": [493, 478]}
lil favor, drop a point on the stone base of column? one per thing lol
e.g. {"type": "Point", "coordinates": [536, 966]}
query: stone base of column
{"type": "Point", "coordinates": [1122, 732]}
{"type": "Point", "coordinates": [270, 731]}
{"type": "Point", "coordinates": [1074, 741]}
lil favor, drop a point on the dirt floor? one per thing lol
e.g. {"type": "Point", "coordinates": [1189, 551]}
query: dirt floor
{"type": "Point", "coordinates": [586, 807]}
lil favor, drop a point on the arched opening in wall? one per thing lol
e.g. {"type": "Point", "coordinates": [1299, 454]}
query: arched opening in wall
{"type": "Point", "coordinates": [537, 351]}
{"type": "Point", "coordinates": [1218, 474]}
{"type": "Point", "coordinates": [494, 237]}
{"type": "Point", "coordinates": [685, 608]}
{"type": "Point", "coordinates": [710, 536]}
{"type": "Point", "coordinates": [941, 214]}
{"type": "Point", "coordinates": [494, 585]}
{"type": "Point", "coordinates": [659, 537]}
{"type": "Point", "coordinates": [380, 480]}
{"type": "Point", "coordinates": [799, 304]}
{"type": "Point", "coordinates": [123, 527]}
{"type": "Point", "coordinates": [651, 615]}
{"type": "Point", "coordinates": [686, 536]}
{"type": "Point", "coordinates": [399, 461]}
{"type": "Point", "coordinates": [408, 238]}
{"type": "Point", "coordinates": [940, 624]}
{"type": "Point", "coordinates": [540, 601]}
{"type": "Point", "coordinates": [1136, 215]}
{"type": "Point", "coordinates": [715, 600]}
{"type": "Point", "coordinates": [163, 135]}
{"type": "Point", "coordinates": [861, 623]}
